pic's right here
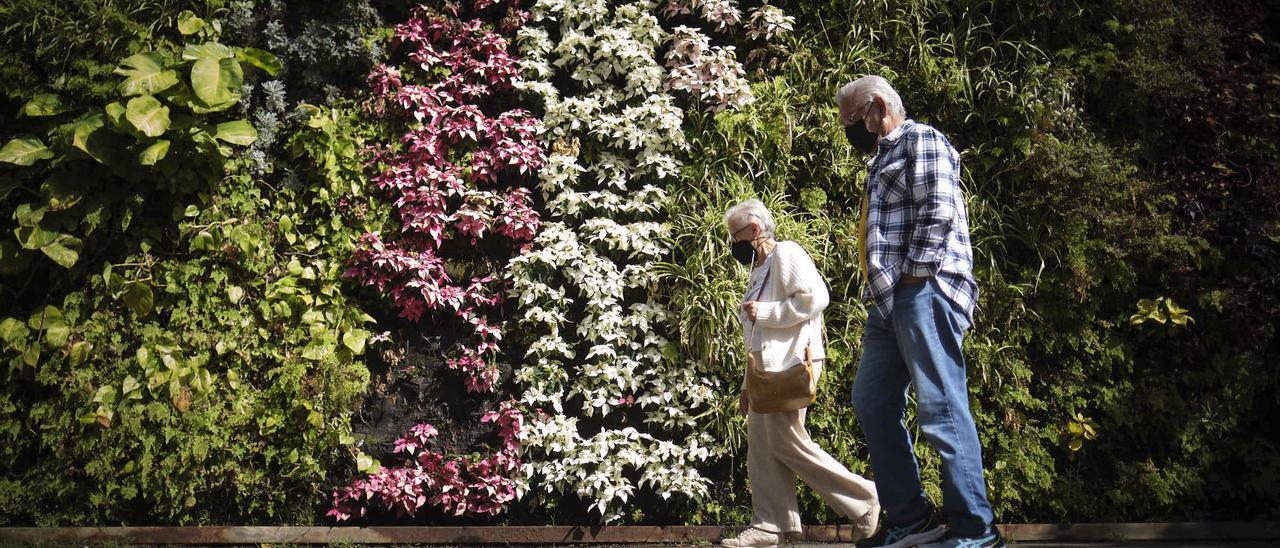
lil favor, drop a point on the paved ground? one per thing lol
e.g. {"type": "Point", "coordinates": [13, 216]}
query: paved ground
{"type": "Point", "coordinates": [1147, 544]}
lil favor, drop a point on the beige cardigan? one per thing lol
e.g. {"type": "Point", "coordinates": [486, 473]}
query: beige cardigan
{"type": "Point", "coordinates": [789, 313]}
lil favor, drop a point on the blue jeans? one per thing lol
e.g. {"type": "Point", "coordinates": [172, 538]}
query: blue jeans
{"type": "Point", "coordinates": [920, 344]}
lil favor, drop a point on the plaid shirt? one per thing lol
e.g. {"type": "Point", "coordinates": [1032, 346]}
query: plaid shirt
{"type": "Point", "coordinates": [917, 222]}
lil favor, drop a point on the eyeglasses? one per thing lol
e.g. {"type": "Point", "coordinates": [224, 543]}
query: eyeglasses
{"type": "Point", "coordinates": [866, 109]}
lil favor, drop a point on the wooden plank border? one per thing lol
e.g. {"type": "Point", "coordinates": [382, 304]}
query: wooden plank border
{"type": "Point", "coordinates": [556, 535]}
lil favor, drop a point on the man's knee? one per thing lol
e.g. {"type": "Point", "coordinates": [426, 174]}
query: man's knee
{"type": "Point", "coordinates": [873, 405]}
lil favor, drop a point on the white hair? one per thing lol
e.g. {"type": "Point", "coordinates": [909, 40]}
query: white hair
{"type": "Point", "coordinates": [864, 89]}
{"type": "Point", "coordinates": [747, 212]}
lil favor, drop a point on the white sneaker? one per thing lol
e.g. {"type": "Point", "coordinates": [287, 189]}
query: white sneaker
{"type": "Point", "coordinates": [867, 525]}
{"type": "Point", "coordinates": [752, 537]}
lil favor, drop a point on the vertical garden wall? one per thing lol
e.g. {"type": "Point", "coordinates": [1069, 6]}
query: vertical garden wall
{"type": "Point", "coordinates": [463, 262]}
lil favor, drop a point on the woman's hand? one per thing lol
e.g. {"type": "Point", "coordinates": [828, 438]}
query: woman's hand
{"type": "Point", "coordinates": [744, 403]}
{"type": "Point", "coordinates": [750, 308]}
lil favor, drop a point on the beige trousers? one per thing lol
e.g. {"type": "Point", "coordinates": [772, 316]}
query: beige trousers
{"type": "Point", "coordinates": [779, 450]}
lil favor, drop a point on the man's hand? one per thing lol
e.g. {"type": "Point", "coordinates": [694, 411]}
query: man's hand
{"type": "Point", "coordinates": [750, 308]}
{"type": "Point", "coordinates": [744, 403]}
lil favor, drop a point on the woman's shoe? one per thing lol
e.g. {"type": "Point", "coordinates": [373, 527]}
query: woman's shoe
{"type": "Point", "coordinates": [752, 537]}
{"type": "Point", "coordinates": [866, 525]}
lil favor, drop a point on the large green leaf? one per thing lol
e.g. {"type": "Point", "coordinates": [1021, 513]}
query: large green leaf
{"type": "Point", "coordinates": [89, 136]}
{"type": "Point", "coordinates": [216, 81]}
{"type": "Point", "coordinates": [12, 330]}
{"type": "Point", "coordinates": [45, 104]}
{"type": "Point", "coordinates": [189, 23]}
{"type": "Point", "coordinates": [145, 74]}
{"type": "Point", "coordinates": [139, 298]}
{"type": "Point", "coordinates": [154, 153]}
{"type": "Point", "coordinates": [45, 318]}
{"type": "Point", "coordinates": [236, 132]}
{"type": "Point", "coordinates": [148, 115]}
{"type": "Point", "coordinates": [25, 151]}
{"type": "Point", "coordinates": [355, 340]}
{"type": "Point", "coordinates": [207, 50]}
{"type": "Point", "coordinates": [65, 250]}
{"type": "Point", "coordinates": [260, 59]}
{"type": "Point", "coordinates": [115, 113]}
{"type": "Point", "coordinates": [34, 237]}
{"type": "Point", "coordinates": [29, 216]}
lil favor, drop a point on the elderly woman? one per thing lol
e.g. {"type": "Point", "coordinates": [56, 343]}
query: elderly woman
{"type": "Point", "coordinates": [781, 315]}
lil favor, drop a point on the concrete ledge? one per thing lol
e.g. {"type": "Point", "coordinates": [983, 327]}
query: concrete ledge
{"type": "Point", "coordinates": [1082, 532]}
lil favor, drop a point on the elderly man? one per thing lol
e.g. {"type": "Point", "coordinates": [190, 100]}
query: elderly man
{"type": "Point", "coordinates": [916, 258]}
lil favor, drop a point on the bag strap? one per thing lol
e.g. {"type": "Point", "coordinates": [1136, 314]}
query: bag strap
{"type": "Point", "coordinates": [763, 284]}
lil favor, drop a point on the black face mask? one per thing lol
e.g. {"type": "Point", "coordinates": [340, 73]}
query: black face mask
{"type": "Point", "coordinates": [860, 138]}
{"type": "Point", "coordinates": [743, 252]}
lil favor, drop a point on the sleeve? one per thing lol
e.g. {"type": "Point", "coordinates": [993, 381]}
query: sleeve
{"type": "Point", "coordinates": [934, 191]}
{"type": "Point", "coordinates": [806, 291]}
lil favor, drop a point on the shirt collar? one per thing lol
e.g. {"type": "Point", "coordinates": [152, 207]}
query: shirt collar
{"type": "Point", "coordinates": [896, 133]}
{"type": "Point", "coordinates": [886, 143]}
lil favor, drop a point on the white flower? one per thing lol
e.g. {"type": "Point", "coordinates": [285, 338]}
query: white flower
{"type": "Point", "coordinates": [600, 240]}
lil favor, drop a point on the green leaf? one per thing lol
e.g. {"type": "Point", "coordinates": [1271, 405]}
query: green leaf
{"type": "Point", "coordinates": [88, 136]}
{"type": "Point", "coordinates": [148, 115]}
{"type": "Point", "coordinates": [315, 115]}
{"type": "Point", "coordinates": [189, 23]}
{"type": "Point", "coordinates": [264, 60]}
{"type": "Point", "coordinates": [45, 318]}
{"type": "Point", "coordinates": [29, 216]}
{"type": "Point", "coordinates": [216, 81]}
{"type": "Point", "coordinates": [145, 74]}
{"type": "Point", "coordinates": [25, 151]}
{"type": "Point", "coordinates": [1075, 444]}
{"type": "Point", "coordinates": [367, 465]}
{"type": "Point", "coordinates": [317, 351]}
{"type": "Point", "coordinates": [355, 339]}
{"type": "Point", "coordinates": [246, 240]}
{"type": "Point", "coordinates": [139, 298]}
{"type": "Point", "coordinates": [65, 250]}
{"type": "Point", "coordinates": [32, 356]}
{"type": "Point", "coordinates": [115, 113]}
{"type": "Point", "coordinates": [79, 352]}
{"type": "Point", "coordinates": [236, 132]}
{"type": "Point", "coordinates": [35, 237]}
{"type": "Point", "coordinates": [154, 153]}
{"type": "Point", "coordinates": [12, 330]}
{"type": "Point", "coordinates": [44, 104]}
{"type": "Point", "coordinates": [191, 211]}
{"type": "Point", "coordinates": [106, 395]}
{"type": "Point", "coordinates": [234, 294]}
{"type": "Point", "coordinates": [203, 241]}
{"type": "Point", "coordinates": [207, 50]}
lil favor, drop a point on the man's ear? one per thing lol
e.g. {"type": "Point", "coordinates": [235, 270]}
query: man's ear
{"type": "Point", "coordinates": [883, 108]}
